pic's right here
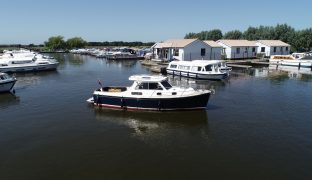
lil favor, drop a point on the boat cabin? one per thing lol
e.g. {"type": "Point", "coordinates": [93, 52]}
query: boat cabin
{"type": "Point", "coordinates": [197, 66]}
{"type": "Point", "coordinates": [142, 82]}
{"type": "Point", "coordinates": [4, 76]}
{"type": "Point", "coordinates": [147, 82]}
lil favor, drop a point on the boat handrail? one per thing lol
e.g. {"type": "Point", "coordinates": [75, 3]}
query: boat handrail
{"type": "Point", "coordinates": [153, 93]}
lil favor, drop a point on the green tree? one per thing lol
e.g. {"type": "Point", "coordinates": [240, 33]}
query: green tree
{"type": "Point", "coordinates": [251, 34]}
{"type": "Point", "coordinates": [55, 43]}
{"type": "Point", "coordinates": [265, 32]}
{"type": "Point", "coordinates": [76, 42]}
{"type": "Point", "coordinates": [284, 32]}
{"type": "Point", "coordinates": [302, 40]}
{"type": "Point", "coordinates": [214, 34]}
{"type": "Point", "coordinates": [236, 34]}
{"type": "Point", "coordinates": [190, 35]}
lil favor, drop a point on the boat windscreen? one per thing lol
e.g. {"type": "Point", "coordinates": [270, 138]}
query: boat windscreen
{"type": "Point", "coordinates": [166, 84]}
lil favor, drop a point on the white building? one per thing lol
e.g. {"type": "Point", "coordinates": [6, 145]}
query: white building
{"type": "Point", "coordinates": [183, 49]}
{"type": "Point", "coordinates": [238, 49]}
{"type": "Point", "coordinates": [272, 47]}
{"type": "Point", "coordinates": [215, 50]}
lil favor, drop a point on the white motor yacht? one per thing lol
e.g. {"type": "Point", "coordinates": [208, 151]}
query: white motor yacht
{"type": "Point", "coordinates": [200, 69]}
{"type": "Point", "coordinates": [296, 59]}
{"type": "Point", "coordinates": [10, 62]}
{"type": "Point", "coordinates": [152, 93]}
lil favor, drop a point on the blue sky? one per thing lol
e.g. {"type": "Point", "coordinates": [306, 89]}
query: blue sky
{"type": "Point", "coordinates": [34, 21]}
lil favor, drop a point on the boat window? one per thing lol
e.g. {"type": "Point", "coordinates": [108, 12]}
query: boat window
{"type": "Point", "coordinates": [184, 67]}
{"type": "Point", "coordinates": [143, 86]}
{"type": "Point", "coordinates": [136, 93]}
{"type": "Point", "coordinates": [196, 68]}
{"type": "Point", "coordinates": [166, 84]}
{"type": "Point", "coordinates": [173, 66]}
{"type": "Point", "coordinates": [208, 68]}
{"type": "Point", "coordinates": [153, 86]}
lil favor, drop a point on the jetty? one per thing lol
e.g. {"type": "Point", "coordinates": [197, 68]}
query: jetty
{"type": "Point", "coordinates": [246, 64]}
{"type": "Point", "coordinates": [239, 66]}
{"type": "Point", "coordinates": [123, 57]}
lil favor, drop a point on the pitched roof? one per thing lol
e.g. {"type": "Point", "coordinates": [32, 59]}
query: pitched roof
{"type": "Point", "coordinates": [162, 45]}
{"type": "Point", "coordinates": [273, 43]}
{"type": "Point", "coordinates": [231, 42]}
{"type": "Point", "coordinates": [212, 44]}
{"type": "Point", "coordinates": [180, 43]}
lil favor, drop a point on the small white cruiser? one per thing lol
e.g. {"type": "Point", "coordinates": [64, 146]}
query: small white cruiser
{"type": "Point", "coordinates": [296, 59]}
{"type": "Point", "coordinates": [10, 62]}
{"type": "Point", "coordinates": [6, 82]}
{"type": "Point", "coordinates": [150, 93]}
{"type": "Point", "coordinates": [200, 69]}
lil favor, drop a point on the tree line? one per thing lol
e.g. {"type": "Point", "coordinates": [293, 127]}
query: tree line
{"type": "Point", "coordinates": [300, 40]}
{"type": "Point", "coordinates": [58, 43]}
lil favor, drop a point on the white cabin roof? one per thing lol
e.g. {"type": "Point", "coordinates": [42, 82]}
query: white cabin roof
{"type": "Point", "coordinates": [147, 78]}
{"type": "Point", "coordinates": [197, 62]}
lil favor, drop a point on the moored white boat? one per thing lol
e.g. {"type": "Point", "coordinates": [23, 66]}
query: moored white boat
{"type": "Point", "coordinates": [6, 82]}
{"type": "Point", "coordinates": [291, 60]}
{"type": "Point", "coordinates": [150, 93]}
{"type": "Point", "coordinates": [200, 69]}
{"type": "Point", "coordinates": [22, 63]}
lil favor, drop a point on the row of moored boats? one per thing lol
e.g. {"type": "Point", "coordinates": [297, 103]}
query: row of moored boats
{"type": "Point", "coordinates": [22, 61]}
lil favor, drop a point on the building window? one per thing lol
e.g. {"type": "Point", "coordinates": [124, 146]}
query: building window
{"type": "Point", "coordinates": [176, 52]}
{"type": "Point", "coordinates": [286, 48]}
{"type": "Point", "coordinates": [253, 49]}
{"type": "Point", "coordinates": [246, 50]}
{"type": "Point", "coordinates": [281, 49]}
{"type": "Point", "coordinates": [237, 50]}
{"type": "Point", "coordinates": [262, 49]}
{"type": "Point", "coordinates": [203, 52]}
{"type": "Point", "coordinates": [274, 49]}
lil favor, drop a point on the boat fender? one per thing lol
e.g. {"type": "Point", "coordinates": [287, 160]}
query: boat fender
{"type": "Point", "coordinates": [122, 101]}
{"type": "Point", "coordinates": [212, 91]}
{"type": "Point", "coordinates": [96, 100]}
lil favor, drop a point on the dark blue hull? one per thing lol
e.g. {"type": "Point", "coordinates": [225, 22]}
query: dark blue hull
{"type": "Point", "coordinates": [153, 104]}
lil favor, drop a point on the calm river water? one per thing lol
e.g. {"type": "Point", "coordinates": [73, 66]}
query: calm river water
{"type": "Point", "coordinates": [257, 125]}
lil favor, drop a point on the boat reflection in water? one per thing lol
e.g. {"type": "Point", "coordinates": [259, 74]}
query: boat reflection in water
{"type": "Point", "coordinates": [289, 72]}
{"type": "Point", "coordinates": [143, 122]}
{"type": "Point", "coordinates": [30, 79]}
{"type": "Point", "coordinates": [8, 99]}
{"type": "Point", "coordinates": [123, 64]}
